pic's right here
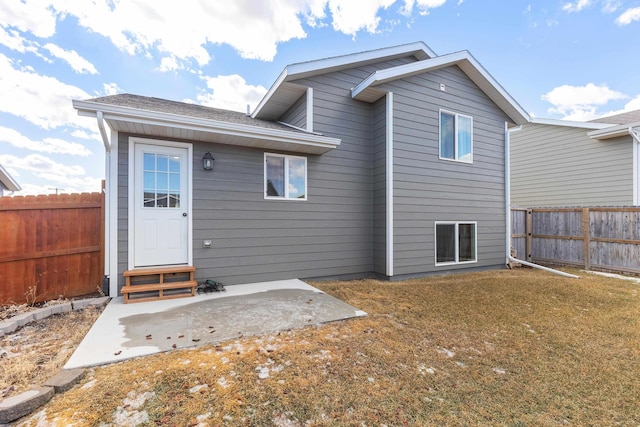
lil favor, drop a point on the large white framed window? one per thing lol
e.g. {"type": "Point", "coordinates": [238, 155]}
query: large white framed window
{"type": "Point", "coordinates": [456, 137]}
{"type": "Point", "coordinates": [285, 177]}
{"type": "Point", "coordinates": [456, 242]}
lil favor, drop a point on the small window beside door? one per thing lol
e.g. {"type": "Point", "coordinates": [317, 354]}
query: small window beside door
{"type": "Point", "coordinates": [161, 180]}
{"type": "Point", "coordinates": [285, 177]}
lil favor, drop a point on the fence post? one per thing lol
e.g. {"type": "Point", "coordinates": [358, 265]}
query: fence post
{"type": "Point", "coordinates": [529, 235]}
{"type": "Point", "coordinates": [586, 232]}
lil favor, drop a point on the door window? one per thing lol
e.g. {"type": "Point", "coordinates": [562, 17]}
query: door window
{"type": "Point", "coordinates": [161, 182]}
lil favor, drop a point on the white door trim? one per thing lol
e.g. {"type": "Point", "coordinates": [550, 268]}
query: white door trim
{"type": "Point", "coordinates": [131, 193]}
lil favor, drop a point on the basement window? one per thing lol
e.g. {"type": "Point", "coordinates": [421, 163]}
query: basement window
{"type": "Point", "coordinates": [456, 243]}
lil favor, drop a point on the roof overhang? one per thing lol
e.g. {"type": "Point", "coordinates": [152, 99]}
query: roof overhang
{"type": "Point", "coordinates": [571, 123]}
{"type": "Point", "coordinates": [615, 131]}
{"type": "Point", "coordinates": [153, 123]}
{"type": "Point", "coordinates": [370, 89]}
{"type": "Point", "coordinates": [283, 93]}
{"type": "Point", "coordinates": [7, 180]}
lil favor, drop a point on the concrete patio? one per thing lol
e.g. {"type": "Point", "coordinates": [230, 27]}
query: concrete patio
{"type": "Point", "coordinates": [125, 331]}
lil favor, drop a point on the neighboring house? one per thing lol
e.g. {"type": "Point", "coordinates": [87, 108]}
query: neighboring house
{"type": "Point", "coordinates": [389, 162]}
{"type": "Point", "coordinates": [7, 183]}
{"type": "Point", "coordinates": [562, 163]}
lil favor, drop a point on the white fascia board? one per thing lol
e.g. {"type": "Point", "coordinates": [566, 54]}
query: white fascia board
{"type": "Point", "coordinates": [570, 123]}
{"type": "Point", "coordinates": [114, 112]}
{"type": "Point", "coordinates": [309, 68]}
{"type": "Point", "coordinates": [281, 79]}
{"type": "Point", "coordinates": [464, 59]}
{"type": "Point", "coordinates": [8, 181]}
{"type": "Point", "coordinates": [613, 131]}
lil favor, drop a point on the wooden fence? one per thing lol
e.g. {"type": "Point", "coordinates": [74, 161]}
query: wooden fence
{"type": "Point", "coordinates": [595, 238]}
{"type": "Point", "coordinates": [51, 246]}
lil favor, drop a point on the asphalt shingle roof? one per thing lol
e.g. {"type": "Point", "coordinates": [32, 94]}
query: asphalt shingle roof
{"type": "Point", "coordinates": [620, 119]}
{"type": "Point", "coordinates": [189, 110]}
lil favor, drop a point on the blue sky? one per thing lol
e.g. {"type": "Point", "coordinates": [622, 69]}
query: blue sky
{"type": "Point", "coordinates": [571, 59]}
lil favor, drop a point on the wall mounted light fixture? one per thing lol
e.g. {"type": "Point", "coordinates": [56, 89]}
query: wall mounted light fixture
{"type": "Point", "coordinates": [207, 162]}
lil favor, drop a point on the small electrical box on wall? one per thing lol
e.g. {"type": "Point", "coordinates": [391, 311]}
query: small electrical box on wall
{"type": "Point", "coordinates": [443, 87]}
{"type": "Point", "coordinates": [206, 243]}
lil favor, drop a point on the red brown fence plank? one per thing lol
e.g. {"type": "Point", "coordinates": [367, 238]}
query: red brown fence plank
{"type": "Point", "coordinates": [50, 246]}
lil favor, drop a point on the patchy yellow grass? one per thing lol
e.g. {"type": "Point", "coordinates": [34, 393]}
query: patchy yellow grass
{"type": "Point", "coordinates": [496, 348]}
{"type": "Point", "coordinates": [37, 351]}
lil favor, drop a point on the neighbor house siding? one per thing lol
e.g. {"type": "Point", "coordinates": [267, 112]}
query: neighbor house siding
{"type": "Point", "coordinates": [427, 189]}
{"type": "Point", "coordinates": [561, 166]}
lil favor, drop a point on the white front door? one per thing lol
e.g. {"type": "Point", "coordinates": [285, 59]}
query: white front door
{"type": "Point", "coordinates": [161, 205]}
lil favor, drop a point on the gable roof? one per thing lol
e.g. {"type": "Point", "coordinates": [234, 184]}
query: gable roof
{"type": "Point", "coordinates": [283, 94]}
{"type": "Point", "coordinates": [626, 122]}
{"type": "Point", "coordinates": [7, 180]}
{"type": "Point", "coordinates": [154, 116]}
{"type": "Point", "coordinates": [368, 90]}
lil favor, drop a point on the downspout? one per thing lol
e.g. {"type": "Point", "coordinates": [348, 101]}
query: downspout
{"type": "Point", "coordinates": [107, 210]}
{"type": "Point", "coordinates": [103, 131]}
{"type": "Point", "coordinates": [636, 164]}
{"type": "Point", "coordinates": [507, 198]}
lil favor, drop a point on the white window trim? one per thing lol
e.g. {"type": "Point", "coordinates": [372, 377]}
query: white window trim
{"type": "Point", "coordinates": [286, 177]}
{"type": "Point", "coordinates": [456, 240]}
{"type": "Point", "coordinates": [455, 136]}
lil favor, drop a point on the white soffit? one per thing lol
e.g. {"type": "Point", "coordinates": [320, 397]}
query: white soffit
{"type": "Point", "coordinates": [283, 93]}
{"type": "Point", "coordinates": [159, 124]}
{"type": "Point", "coordinates": [8, 181]}
{"type": "Point", "coordinates": [370, 91]}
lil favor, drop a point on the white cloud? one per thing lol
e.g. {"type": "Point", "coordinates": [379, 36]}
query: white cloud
{"type": "Point", "coordinates": [611, 6]}
{"type": "Point", "coordinates": [65, 177]}
{"type": "Point", "coordinates": [42, 100]}
{"type": "Point", "coordinates": [632, 105]}
{"type": "Point", "coordinates": [47, 145]}
{"type": "Point", "coordinates": [34, 16]}
{"type": "Point", "coordinates": [231, 93]}
{"type": "Point", "coordinates": [423, 6]}
{"type": "Point", "coordinates": [349, 16]}
{"type": "Point", "coordinates": [183, 29]}
{"type": "Point", "coordinates": [15, 41]}
{"type": "Point", "coordinates": [580, 102]}
{"type": "Point", "coordinates": [628, 16]}
{"type": "Point", "coordinates": [576, 6]}
{"type": "Point", "coordinates": [111, 88]}
{"type": "Point", "coordinates": [81, 134]}
{"type": "Point", "coordinates": [71, 57]}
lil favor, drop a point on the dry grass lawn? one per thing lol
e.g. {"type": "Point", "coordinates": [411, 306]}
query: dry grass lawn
{"type": "Point", "coordinates": [513, 348]}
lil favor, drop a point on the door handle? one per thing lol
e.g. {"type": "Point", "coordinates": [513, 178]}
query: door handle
{"type": "Point", "coordinates": [184, 214]}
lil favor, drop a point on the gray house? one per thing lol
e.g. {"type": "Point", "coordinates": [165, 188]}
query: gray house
{"type": "Point", "coordinates": [7, 183]}
{"type": "Point", "coordinates": [563, 163]}
{"type": "Point", "coordinates": [388, 162]}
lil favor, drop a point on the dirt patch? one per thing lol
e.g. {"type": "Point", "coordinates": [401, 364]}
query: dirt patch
{"type": "Point", "coordinates": [37, 351]}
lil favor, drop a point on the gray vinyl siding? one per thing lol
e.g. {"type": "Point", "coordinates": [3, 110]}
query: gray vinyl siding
{"type": "Point", "coordinates": [379, 128]}
{"type": "Point", "coordinates": [123, 210]}
{"type": "Point", "coordinates": [341, 229]}
{"type": "Point", "coordinates": [427, 189]}
{"type": "Point", "coordinates": [561, 166]}
{"type": "Point", "coordinates": [297, 114]}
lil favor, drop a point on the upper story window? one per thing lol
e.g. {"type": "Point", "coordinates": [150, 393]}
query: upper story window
{"type": "Point", "coordinates": [285, 177]}
{"type": "Point", "coordinates": [456, 137]}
